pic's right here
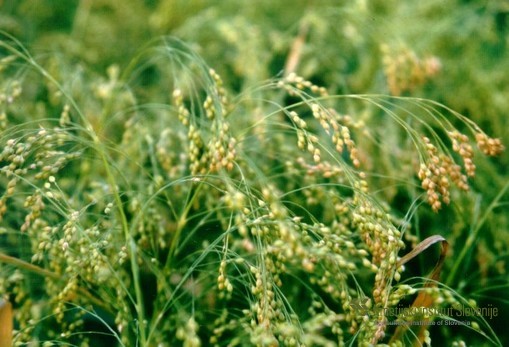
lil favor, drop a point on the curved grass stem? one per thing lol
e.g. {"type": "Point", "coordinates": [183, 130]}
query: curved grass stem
{"type": "Point", "coordinates": [472, 237]}
{"type": "Point", "coordinates": [140, 307]}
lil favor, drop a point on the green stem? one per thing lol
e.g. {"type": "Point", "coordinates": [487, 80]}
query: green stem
{"type": "Point", "coordinates": [140, 307]}
{"type": "Point", "coordinates": [473, 235]}
{"type": "Point", "coordinates": [181, 223]}
{"type": "Point", "coordinates": [21, 264]}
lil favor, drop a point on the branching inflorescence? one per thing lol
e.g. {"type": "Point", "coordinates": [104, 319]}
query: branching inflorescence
{"type": "Point", "coordinates": [210, 218]}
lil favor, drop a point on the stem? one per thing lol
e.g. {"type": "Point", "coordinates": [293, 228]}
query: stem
{"type": "Point", "coordinates": [181, 223]}
{"type": "Point", "coordinates": [140, 307]}
{"type": "Point", "coordinates": [4, 258]}
{"type": "Point", "coordinates": [473, 235]}
{"type": "Point", "coordinates": [21, 264]}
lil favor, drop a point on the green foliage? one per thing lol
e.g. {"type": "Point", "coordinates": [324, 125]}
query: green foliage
{"type": "Point", "coordinates": [205, 173]}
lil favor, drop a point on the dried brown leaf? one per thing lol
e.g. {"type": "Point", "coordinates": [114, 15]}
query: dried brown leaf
{"type": "Point", "coordinates": [294, 56]}
{"type": "Point", "coordinates": [423, 299]}
{"type": "Point", "coordinates": [5, 323]}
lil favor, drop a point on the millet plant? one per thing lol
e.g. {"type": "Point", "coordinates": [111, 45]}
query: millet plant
{"type": "Point", "coordinates": [197, 213]}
